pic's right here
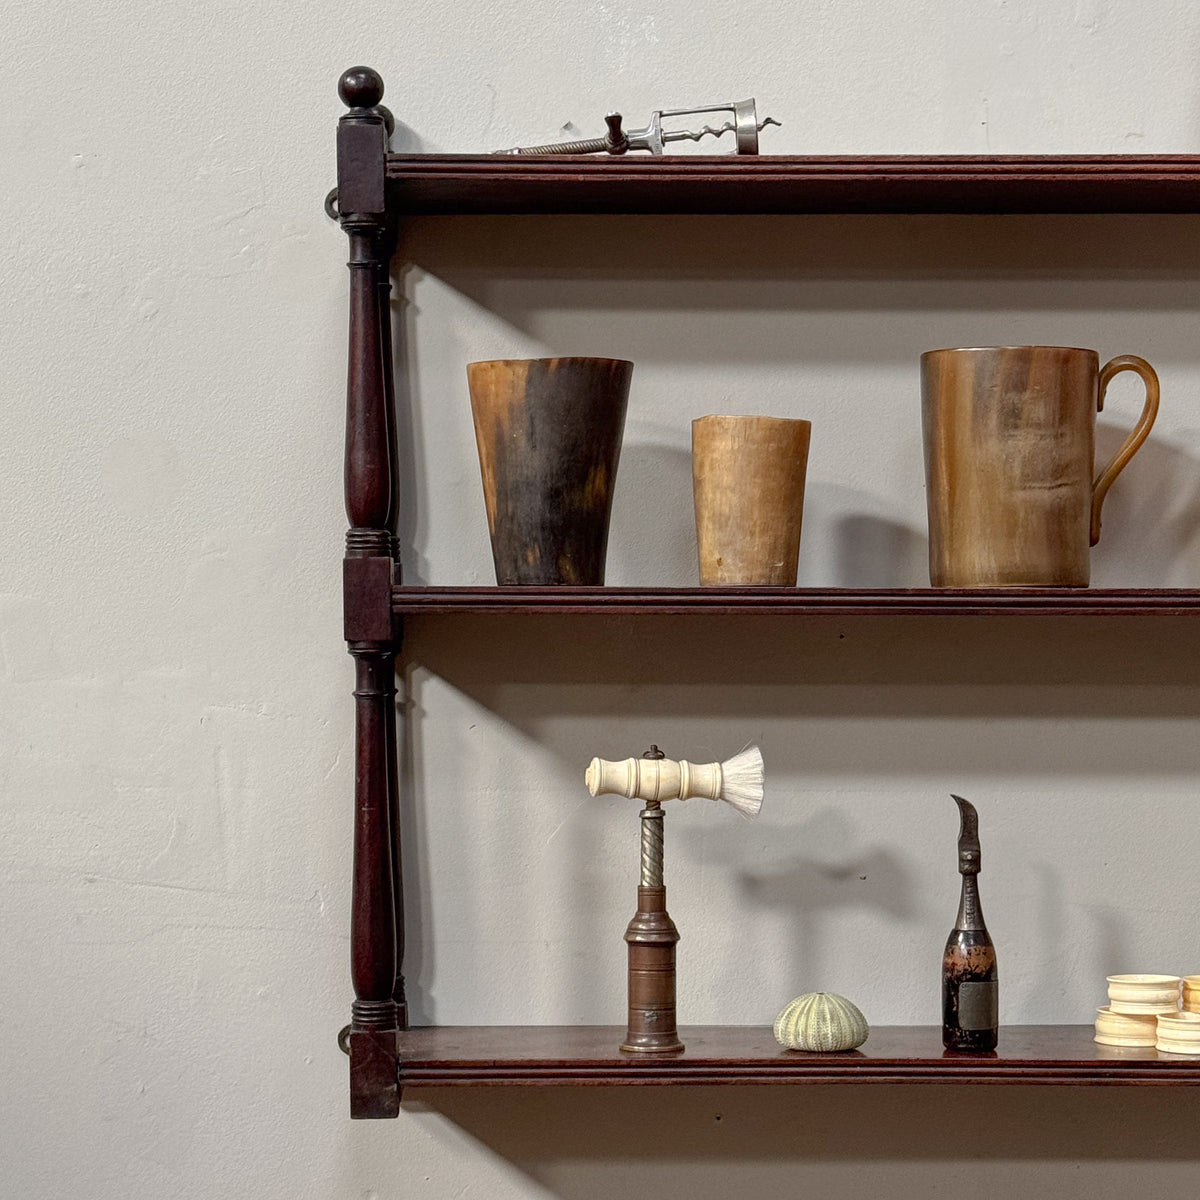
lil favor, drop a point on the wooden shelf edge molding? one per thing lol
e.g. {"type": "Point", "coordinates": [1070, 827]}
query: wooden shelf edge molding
{"type": "Point", "coordinates": [684, 183]}
{"type": "Point", "coordinates": [533, 1056]}
{"type": "Point", "coordinates": [837, 602]}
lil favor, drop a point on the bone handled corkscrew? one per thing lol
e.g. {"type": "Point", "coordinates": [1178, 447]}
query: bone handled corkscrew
{"type": "Point", "coordinates": [651, 935]}
{"type": "Point", "coordinates": [745, 126]}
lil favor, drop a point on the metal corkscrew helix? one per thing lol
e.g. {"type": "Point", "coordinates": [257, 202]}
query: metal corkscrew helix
{"type": "Point", "coordinates": [745, 126]}
{"type": "Point", "coordinates": [652, 833]}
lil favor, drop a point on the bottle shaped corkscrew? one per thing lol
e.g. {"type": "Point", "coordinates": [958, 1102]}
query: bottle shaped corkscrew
{"type": "Point", "coordinates": [970, 987]}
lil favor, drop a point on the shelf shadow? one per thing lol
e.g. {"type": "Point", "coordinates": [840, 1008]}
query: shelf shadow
{"type": "Point", "coordinates": [956, 695]}
{"type": "Point", "coordinates": [704, 657]}
{"type": "Point", "coordinates": [778, 1142]}
{"type": "Point", "coordinates": [942, 280]}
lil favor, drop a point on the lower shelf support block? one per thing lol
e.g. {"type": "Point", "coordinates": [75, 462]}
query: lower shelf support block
{"type": "Point", "coordinates": [374, 1083]}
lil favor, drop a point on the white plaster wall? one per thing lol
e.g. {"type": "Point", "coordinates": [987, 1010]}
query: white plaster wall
{"type": "Point", "coordinates": [175, 756]}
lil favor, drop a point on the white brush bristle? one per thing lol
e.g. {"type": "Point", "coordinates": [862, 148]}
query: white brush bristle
{"type": "Point", "coordinates": [742, 781]}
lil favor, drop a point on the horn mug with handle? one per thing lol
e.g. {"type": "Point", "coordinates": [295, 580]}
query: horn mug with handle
{"type": "Point", "coordinates": [1009, 461]}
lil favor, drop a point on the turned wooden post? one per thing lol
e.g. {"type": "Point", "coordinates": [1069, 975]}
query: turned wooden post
{"type": "Point", "coordinates": [378, 1011]}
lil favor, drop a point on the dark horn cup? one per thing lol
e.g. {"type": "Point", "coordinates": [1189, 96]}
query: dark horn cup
{"type": "Point", "coordinates": [549, 437]}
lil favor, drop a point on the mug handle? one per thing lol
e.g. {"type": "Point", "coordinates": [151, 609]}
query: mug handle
{"type": "Point", "coordinates": [1124, 362]}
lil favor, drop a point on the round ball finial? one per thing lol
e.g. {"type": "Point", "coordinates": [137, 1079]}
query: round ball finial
{"type": "Point", "coordinates": [389, 122]}
{"type": "Point", "coordinates": [360, 87]}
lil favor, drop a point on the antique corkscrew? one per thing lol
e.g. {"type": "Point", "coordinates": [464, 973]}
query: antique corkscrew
{"type": "Point", "coordinates": [745, 126]}
{"type": "Point", "coordinates": [652, 935]}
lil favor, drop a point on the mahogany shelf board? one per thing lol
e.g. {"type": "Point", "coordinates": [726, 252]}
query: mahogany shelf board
{"type": "Point", "coordinates": [527, 1055]}
{"type": "Point", "coordinates": [489, 183]}
{"type": "Point", "coordinates": [837, 602]}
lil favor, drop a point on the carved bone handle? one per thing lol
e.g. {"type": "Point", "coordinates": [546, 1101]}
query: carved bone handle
{"type": "Point", "coordinates": [654, 779]}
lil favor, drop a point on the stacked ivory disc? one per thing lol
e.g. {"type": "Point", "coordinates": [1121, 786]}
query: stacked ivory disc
{"type": "Point", "coordinates": [1191, 993]}
{"type": "Point", "coordinates": [1180, 1032]}
{"type": "Point", "coordinates": [1144, 1010]}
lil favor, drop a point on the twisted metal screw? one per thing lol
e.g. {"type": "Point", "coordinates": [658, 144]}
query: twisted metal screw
{"type": "Point", "coordinates": [652, 835]}
{"type": "Point", "coordinates": [613, 142]}
{"type": "Point", "coordinates": [652, 845]}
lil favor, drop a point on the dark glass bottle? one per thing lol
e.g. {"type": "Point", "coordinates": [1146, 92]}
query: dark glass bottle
{"type": "Point", "coordinates": [970, 987]}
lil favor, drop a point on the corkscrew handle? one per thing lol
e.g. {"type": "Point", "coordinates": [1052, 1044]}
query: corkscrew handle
{"type": "Point", "coordinates": [654, 779]}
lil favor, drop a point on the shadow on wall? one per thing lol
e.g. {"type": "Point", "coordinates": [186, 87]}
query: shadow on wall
{"type": "Point", "coordinates": [776, 1142]}
{"type": "Point", "coordinates": [529, 667]}
{"type": "Point", "coordinates": [826, 317]}
{"type": "Point", "coordinates": [834, 872]}
{"type": "Point", "coordinates": [655, 475]}
{"type": "Point", "coordinates": [839, 291]}
{"type": "Point", "coordinates": [408, 436]}
{"type": "Point", "coordinates": [523, 266]}
{"type": "Point", "coordinates": [416, 954]}
{"type": "Point", "coordinates": [877, 552]}
{"type": "Point", "coordinates": [1150, 523]}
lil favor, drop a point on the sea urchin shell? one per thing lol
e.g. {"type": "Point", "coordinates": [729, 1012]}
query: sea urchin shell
{"type": "Point", "coordinates": [821, 1021]}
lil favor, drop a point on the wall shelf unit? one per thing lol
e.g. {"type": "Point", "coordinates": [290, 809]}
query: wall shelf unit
{"type": "Point", "coordinates": [376, 191]}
